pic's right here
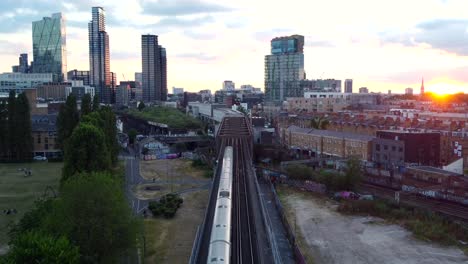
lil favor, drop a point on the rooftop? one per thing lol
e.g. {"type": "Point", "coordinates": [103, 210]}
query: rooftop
{"type": "Point", "coordinates": [329, 133]}
{"type": "Point", "coordinates": [44, 123]}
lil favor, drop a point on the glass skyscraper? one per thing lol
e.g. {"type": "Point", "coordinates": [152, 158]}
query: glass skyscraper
{"type": "Point", "coordinates": [284, 69]}
{"type": "Point", "coordinates": [49, 46]}
{"type": "Point", "coordinates": [99, 60]}
{"type": "Point", "coordinates": [154, 69]}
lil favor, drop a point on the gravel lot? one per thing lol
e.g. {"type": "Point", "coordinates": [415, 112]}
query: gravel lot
{"type": "Point", "coordinates": [335, 238]}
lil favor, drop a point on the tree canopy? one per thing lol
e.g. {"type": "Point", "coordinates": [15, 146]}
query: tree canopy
{"type": "Point", "coordinates": [96, 104]}
{"type": "Point", "coordinates": [86, 106]}
{"type": "Point", "coordinates": [67, 120]}
{"type": "Point", "coordinates": [141, 106]}
{"type": "Point", "coordinates": [16, 142]}
{"type": "Point", "coordinates": [23, 142]}
{"type": "Point", "coordinates": [86, 151]}
{"type": "Point", "coordinates": [319, 123]}
{"type": "Point", "coordinates": [94, 213]}
{"type": "Point", "coordinates": [42, 248]}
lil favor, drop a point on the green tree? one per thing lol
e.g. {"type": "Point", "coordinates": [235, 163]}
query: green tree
{"type": "Point", "coordinates": [67, 120]}
{"type": "Point", "coordinates": [3, 130]}
{"type": "Point", "coordinates": [353, 172]}
{"type": "Point", "coordinates": [132, 135]}
{"type": "Point", "coordinates": [38, 247]}
{"type": "Point", "coordinates": [24, 141]}
{"type": "Point", "coordinates": [12, 139]}
{"type": "Point", "coordinates": [93, 118]}
{"type": "Point", "coordinates": [96, 104]}
{"type": "Point", "coordinates": [86, 106]}
{"type": "Point", "coordinates": [319, 123]}
{"type": "Point", "coordinates": [86, 151]}
{"type": "Point", "coordinates": [110, 132]}
{"type": "Point", "coordinates": [300, 172]}
{"type": "Point", "coordinates": [141, 106]}
{"type": "Point", "coordinates": [94, 213]}
{"type": "Point", "coordinates": [34, 219]}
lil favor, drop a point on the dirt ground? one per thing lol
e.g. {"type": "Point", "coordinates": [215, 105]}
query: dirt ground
{"type": "Point", "coordinates": [171, 240]}
{"type": "Point", "coordinates": [332, 237]}
{"type": "Point", "coordinates": [173, 172]}
{"type": "Point", "coordinates": [177, 168]}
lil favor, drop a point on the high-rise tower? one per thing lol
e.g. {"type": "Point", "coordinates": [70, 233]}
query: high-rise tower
{"type": "Point", "coordinates": [422, 86]}
{"type": "Point", "coordinates": [99, 60]}
{"type": "Point", "coordinates": [284, 68]}
{"type": "Point", "coordinates": [348, 86]}
{"type": "Point", "coordinates": [49, 46]}
{"type": "Point", "coordinates": [154, 69]}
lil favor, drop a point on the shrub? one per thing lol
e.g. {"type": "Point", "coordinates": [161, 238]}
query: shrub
{"type": "Point", "coordinates": [166, 206]}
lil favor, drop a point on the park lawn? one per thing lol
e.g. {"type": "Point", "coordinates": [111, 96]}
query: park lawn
{"type": "Point", "coordinates": [20, 192]}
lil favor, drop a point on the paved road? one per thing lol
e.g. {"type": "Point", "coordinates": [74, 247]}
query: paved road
{"type": "Point", "coordinates": [133, 177]}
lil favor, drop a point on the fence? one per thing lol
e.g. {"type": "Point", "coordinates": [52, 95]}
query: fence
{"type": "Point", "coordinates": [298, 256]}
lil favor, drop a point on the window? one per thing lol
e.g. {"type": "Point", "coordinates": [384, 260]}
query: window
{"type": "Point", "coordinates": [46, 146]}
{"type": "Point", "coordinates": [39, 139]}
{"type": "Point", "coordinates": [385, 147]}
{"type": "Point", "coordinates": [46, 140]}
{"type": "Point", "coordinates": [377, 147]}
{"type": "Point", "coordinates": [400, 149]}
{"type": "Point", "coordinates": [393, 148]}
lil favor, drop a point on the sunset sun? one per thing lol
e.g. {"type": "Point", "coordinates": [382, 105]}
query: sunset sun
{"type": "Point", "coordinates": [445, 86]}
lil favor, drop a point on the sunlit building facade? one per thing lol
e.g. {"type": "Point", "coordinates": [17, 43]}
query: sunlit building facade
{"type": "Point", "coordinates": [284, 69]}
{"type": "Point", "coordinates": [49, 46]}
{"type": "Point", "coordinates": [154, 69]}
{"type": "Point", "coordinates": [99, 60]}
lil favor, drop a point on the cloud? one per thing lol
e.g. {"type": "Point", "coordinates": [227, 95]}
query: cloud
{"type": "Point", "coordinates": [197, 56]}
{"type": "Point", "coordinates": [450, 35]}
{"type": "Point", "coordinates": [181, 7]}
{"type": "Point", "coordinates": [13, 48]}
{"type": "Point", "coordinates": [183, 22]}
{"type": "Point", "coordinates": [268, 35]}
{"type": "Point", "coordinates": [199, 35]}
{"type": "Point", "coordinates": [319, 44]}
{"type": "Point", "coordinates": [458, 74]}
{"type": "Point", "coordinates": [125, 55]}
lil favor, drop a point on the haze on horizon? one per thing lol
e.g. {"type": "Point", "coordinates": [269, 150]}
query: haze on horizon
{"type": "Point", "coordinates": [381, 45]}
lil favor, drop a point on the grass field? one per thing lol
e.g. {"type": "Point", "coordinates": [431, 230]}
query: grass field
{"type": "Point", "coordinates": [171, 240]}
{"type": "Point", "coordinates": [20, 192]}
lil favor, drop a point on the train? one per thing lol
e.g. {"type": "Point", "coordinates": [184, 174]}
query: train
{"type": "Point", "coordinates": [220, 240]}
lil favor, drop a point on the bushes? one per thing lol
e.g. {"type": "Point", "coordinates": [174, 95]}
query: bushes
{"type": "Point", "coordinates": [167, 205]}
{"type": "Point", "coordinates": [200, 164]}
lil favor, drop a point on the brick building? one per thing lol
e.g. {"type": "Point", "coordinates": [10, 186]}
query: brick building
{"type": "Point", "coordinates": [44, 133]}
{"type": "Point", "coordinates": [422, 148]}
{"type": "Point", "coordinates": [388, 153]}
{"type": "Point", "coordinates": [324, 142]}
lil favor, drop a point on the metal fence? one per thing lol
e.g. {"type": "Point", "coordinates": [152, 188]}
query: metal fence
{"type": "Point", "coordinates": [298, 256]}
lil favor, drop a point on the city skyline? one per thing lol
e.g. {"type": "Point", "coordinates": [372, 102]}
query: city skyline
{"type": "Point", "coordinates": [215, 41]}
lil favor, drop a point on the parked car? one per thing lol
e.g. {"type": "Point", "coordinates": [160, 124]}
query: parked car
{"type": "Point", "coordinates": [39, 158]}
{"type": "Point", "coordinates": [366, 197]}
{"type": "Point", "coordinates": [345, 195]}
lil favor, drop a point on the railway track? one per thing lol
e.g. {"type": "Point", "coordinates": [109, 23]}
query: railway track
{"type": "Point", "coordinates": [248, 243]}
{"type": "Point", "coordinates": [444, 207]}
